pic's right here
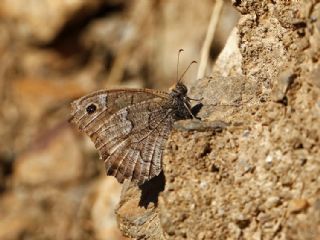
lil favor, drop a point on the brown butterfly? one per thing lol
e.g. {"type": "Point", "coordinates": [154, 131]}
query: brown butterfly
{"type": "Point", "coordinates": [130, 127]}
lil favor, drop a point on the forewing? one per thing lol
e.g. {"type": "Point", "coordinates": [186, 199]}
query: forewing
{"type": "Point", "coordinates": [132, 143]}
{"type": "Point", "coordinates": [107, 103]}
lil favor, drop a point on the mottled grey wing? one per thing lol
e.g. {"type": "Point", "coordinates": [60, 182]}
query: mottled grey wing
{"type": "Point", "coordinates": [129, 128]}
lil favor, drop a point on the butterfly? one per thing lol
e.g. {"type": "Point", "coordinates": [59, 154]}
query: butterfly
{"type": "Point", "coordinates": [130, 127]}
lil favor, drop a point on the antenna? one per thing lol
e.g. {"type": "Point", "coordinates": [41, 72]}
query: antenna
{"type": "Point", "coordinates": [180, 50]}
{"type": "Point", "coordinates": [186, 70]}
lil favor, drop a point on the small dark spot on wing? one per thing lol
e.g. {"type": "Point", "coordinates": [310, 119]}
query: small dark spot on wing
{"type": "Point", "coordinates": [91, 108]}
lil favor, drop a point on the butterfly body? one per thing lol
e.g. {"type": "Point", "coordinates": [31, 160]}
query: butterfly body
{"type": "Point", "coordinates": [130, 127]}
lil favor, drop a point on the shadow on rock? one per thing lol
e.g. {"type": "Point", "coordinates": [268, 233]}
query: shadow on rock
{"type": "Point", "coordinates": [150, 190]}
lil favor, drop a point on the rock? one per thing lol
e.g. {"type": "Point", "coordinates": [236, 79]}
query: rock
{"type": "Point", "coordinates": [55, 159]}
{"type": "Point", "coordinates": [282, 84]}
{"type": "Point", "coordinates": [50, 213]}
{"type": "Point", "coordinates": [267, 173]}
{"type": "Point", "coordinates": [138, 215]}
{"type": "Point", "coordinates": [36, 96]}
{"type": "Point", "coordinates": [272, 201]}
{"type": "Point", "coordinates": [43, 20]}
{"type": "Point", "coordinates": [297, 205]}
{"type": "Point", "coordinates": [106, 197]}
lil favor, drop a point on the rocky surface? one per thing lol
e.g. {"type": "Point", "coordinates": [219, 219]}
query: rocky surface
{"type": "Point", "coordinates": [257, 178]}
{"type": "Point", "coordinates": [248, 170]}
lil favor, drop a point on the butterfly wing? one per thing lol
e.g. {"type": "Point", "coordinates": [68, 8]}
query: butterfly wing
{"type": "Point", "coordinates": [128, 127]}
{"type": "Point", "coordinates": [106, 103]}
{"type": "Point", "coordinates": [136, 152]}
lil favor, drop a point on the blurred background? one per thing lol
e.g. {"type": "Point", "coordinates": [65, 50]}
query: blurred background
{"type": "Point", "coordinates": [52, 183]}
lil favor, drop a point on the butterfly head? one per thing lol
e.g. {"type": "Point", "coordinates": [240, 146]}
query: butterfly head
{"type": "Point", "coordinates": [179, 90]}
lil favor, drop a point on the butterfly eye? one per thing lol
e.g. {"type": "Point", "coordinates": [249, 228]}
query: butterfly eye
{"type": "Point", "coordinates": [91, 108]}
